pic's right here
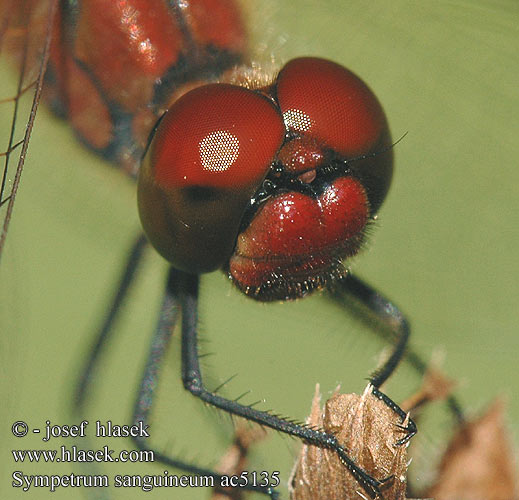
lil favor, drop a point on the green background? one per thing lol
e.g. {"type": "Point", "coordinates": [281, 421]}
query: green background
{"type": "Point", "coordinates": [445, 249]}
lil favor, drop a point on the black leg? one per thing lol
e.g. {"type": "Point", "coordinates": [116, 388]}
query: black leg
{"type": "Point", "coordinates": [182, 292]}
{"type": "Point", "coordinates": [192, 378]}
{"type": "Point", "coordinates": [171, 306]}
{"type": "Point", "coordinates": [353, 292]}
{"type": "Point", "coordinates": [84, 382]}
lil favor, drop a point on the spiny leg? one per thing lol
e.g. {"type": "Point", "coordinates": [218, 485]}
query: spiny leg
{"type": "Point", "coordinates": [390, 317]}
{"type": "Point", "coordinates": [149, 382]}
{"type": "Point", "coordinates": [192, 378]}
{"type": "Point", "coordinates": [170, 309]}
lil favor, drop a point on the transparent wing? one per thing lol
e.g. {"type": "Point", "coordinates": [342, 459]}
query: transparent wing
{"type": "Point", "coordinates": [25, 35]}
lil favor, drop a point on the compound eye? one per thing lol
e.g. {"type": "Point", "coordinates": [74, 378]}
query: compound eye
{"type": "Point", "coordinates": [207, 157]}
{"type": "Point", "coordinates": [324, 100]}
{"type": "Point", "coordinates": [218, 135]}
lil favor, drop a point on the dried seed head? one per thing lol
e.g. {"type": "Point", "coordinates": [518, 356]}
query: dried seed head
{"type": "Point", "coordinates": [478, 463]}
{"type": "Point", "coordinates": [368, 430]}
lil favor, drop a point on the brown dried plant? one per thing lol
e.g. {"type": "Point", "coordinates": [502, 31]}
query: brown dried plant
{"type": "Point", "coordinates": [368, 429]}
{"type": "Point", "coordinates": [478, 463]}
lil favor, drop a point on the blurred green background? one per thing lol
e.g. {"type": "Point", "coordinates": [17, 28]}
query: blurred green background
{"type": "Point", "coordinates": [445, 249]}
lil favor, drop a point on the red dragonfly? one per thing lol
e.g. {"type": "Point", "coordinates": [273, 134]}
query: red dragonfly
{"type": "Point", "coordinates": [306, 153]}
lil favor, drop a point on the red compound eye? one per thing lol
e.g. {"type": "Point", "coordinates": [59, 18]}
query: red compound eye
{"type": "Point", "coordinates": [326, 101]}
{"type": "Point", "coordinates": [208, 156]}
{"type": "Point", "coordinates": [216, 136]}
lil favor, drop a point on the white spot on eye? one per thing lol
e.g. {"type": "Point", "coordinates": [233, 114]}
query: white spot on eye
{"type": "Point", "coordinates": [219, 150]}
{"type": "Point", "coordinates": [297, 120]}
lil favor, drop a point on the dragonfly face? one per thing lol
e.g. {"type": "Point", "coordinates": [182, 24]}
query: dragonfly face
{"type": "Point", "coordinates": [292, 171]}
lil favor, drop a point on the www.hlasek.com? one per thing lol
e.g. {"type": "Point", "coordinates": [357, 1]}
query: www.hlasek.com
{"type": "Point", "coordinates": [73, 453]}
